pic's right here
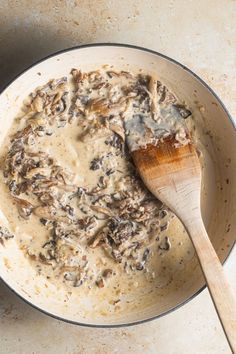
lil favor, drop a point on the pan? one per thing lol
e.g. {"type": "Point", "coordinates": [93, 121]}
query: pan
{"type": "Point", "coordinates": [183, 279]}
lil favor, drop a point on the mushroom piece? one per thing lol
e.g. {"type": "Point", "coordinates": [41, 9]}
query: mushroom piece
{"type": "Point", "coordinates": [24, 207]}
{"type": "Point", "coordinates": [5, 234]}
{"type": "Point", "coordinates": [101, 210]}
{"type": "Point", "coordinates": [46, 212]}
{"type": "Point", "coordinates": [183, 111]}
{"type": "Point", "coordinates": [119, 130]}
{"type": "Point", "coordinates": [152, 87]}
{"type": "Point", "coordinates": [165, 245]}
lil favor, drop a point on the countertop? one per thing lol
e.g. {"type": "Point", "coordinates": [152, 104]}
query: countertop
{"type": "Point", "coordinates": [200, 34]}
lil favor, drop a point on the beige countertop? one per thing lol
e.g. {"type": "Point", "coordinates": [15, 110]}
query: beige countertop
{"type": "Point", "coordinates": [200, 34]}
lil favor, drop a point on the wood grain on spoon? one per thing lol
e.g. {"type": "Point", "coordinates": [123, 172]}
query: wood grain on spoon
{"type": "Point", "coordinates": [173, 175]}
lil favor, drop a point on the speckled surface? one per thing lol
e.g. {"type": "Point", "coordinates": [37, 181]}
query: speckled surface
{"type": "Point", "coordinates": [200, 34]}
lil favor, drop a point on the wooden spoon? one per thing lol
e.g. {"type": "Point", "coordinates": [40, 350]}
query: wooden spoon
{"type": "Point", "coordinates": [173, 175]}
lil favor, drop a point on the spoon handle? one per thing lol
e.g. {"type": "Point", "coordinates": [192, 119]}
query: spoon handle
{"type": "Point", "coordinates": [218, 285]}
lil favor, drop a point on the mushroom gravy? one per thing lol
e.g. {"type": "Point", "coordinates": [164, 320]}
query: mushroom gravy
{"type": "Point", "coordinates": [79, 210]}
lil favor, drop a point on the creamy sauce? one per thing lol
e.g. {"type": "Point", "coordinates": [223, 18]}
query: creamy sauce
{"type": "Point", "coordinates": [83, 137]}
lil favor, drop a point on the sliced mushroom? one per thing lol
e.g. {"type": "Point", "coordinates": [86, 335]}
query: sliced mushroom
{"type": "Point", "coordinates": [98, 238]}
{"type": "Point", "coordinates": [98, 105]}
{"type": "Point", "coordinates": [38, 103]}
{"type": "Point", "coordinates": [42, 171]}
{"type": "Point", "coordinates": [24, 207]}
{"type": "Point", "coordinates": [46, 212]}
{"type": "Point", "coordinates": [165, 245]}
{"type": "Point", "coordinates": [154, 98]}
{"type": "Point", "coordinates": [5, 234]}
{"type": "Point", "coordinates": [119, 130]}
{"type": "Point", "coordinates": [23, 134]}
{"type": "Point", "coordinates": [183, 111]}
{"type": "Point", "coordinates": [126, 74]}
{"type": "Point", "coordinates": [101, 210]}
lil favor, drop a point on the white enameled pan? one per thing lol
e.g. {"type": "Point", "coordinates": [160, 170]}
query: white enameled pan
{"type": "Point", "coordinates": [217, 135]}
